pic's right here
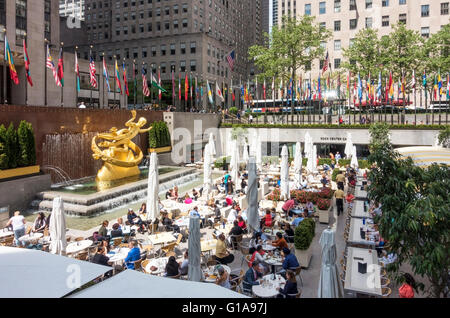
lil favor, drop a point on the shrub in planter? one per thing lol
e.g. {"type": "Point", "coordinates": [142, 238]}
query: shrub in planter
{"type": "Point", "coordinates": [12, 146]}
{"type": "Point", "coordinates": [312, 196]}
{"type": "Point", "coordinates": [26, 145]}
{"type": "Point", "coordinates": [335, 174]}
{"type": "Point", "coordinates": [221, 163]}
{"type": "Point", "coordinates": [3, 149]}
{"type": "Point", "coordinates": [233, 110]}
{"type": "Point", "coordinates": [304, 234]}
{"type": "Point", "coordinates": [159, 135]}
{"type": "Point", "coordinates": [324, 161]}
{"type": "Point", "coordinates": [323, 204]}
{"type": "Point", "coordinates": [326, 193]}
{"type": "Point", "coordinates": [344, 162]}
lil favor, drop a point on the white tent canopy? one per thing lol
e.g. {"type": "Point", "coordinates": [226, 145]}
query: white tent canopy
{"type": "Point", "coordinates": [140, 285]}
{"type": "Point", "coordinates": [26, 273]}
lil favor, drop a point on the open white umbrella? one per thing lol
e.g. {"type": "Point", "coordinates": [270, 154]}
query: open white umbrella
{"type": "Point", "coordinates": [330, 285]}
{"type": "Point", "coordinates": [285, 173]}
{"type": "Point", "coordinates": [153, 189]}
{"type": "Point", "coordinates": [348, 146]}
{"type": "Point", "coordinates": [252, 196]}
{"type": "Point", "coordinates": [234, 165]}
{"type": "Point", "coordinates": [212, 145]}
{"type": "Point", "coordinates": [298, 166]}
{"type": "Point", "coordinates": [354, 162]}
{"type": "Point", "coordinates": [57, 228]}
{"type": "Point", "coordinates": [207, 174]}
{"type": "Point", "coordinates": [194, 248]}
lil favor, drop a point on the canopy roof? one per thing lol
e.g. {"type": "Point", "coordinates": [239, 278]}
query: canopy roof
{"type": "Point", "coordinates": [426, 156]}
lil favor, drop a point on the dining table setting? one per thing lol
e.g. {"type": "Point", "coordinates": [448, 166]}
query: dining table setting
{"type": "Point", "coordinates": [268, 287]}
{"type": "Point", "coordinates": [211, 273]}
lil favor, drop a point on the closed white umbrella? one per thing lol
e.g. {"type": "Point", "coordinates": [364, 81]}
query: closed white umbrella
{"type": "Point", "coordinates": [234, 164]}
{"type": "Point", "coordinates": [285, 173]}
{"type": "Point", "coordinates": [354, 162]}
{"type": "Point", "coordinates": [298, 166]}
{"type": "Point", "coordinates": [153, 189]}
{"type": "Point", "coordinates": [348, 146]}
{"type": "Point", "coordinates": [212, 145]}
{"type": "Point", "coordinates": [314, 157]}
{"type": "Point", "coordinates": [207, 174]}
{"type": "Point", "coordinates": [330, 285]}
{"type": "Point", "coordinates": [194, 248]}
{"type": "Point", "coordinates": [57, 228]}
{"type": "Point", "coordinates": [245, 155]}
{"type": "Point", "coordinates": [310, 155]}
{"type": "Point", "coordinates": [258, 152]}
{"type": "Point", "coordinates": [308, 144]}
{"type": "Point", "coordinates": [252, 196]}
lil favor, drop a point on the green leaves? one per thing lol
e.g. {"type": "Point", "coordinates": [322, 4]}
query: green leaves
{"type": "Point", "coordinates": [159, 135]}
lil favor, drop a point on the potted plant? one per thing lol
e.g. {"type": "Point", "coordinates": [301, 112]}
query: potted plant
{"type": "Point", "coordinates": [159, 138]}
{"type": "Point", "coordinates": [303, 236]}
{"type": "Point", "coordinates": [312, 197]}
{"type": "Point", "coordinates": [324, 207]}
{"type": "Point", "coordinates": [275, 195]}
{"type": "Point", "coordinates": [326, 193]}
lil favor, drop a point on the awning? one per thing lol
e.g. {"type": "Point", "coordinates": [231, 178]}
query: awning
{"type": "Point", "coordinates": [426, 156]}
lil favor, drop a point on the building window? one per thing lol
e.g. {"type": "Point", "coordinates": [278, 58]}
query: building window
{"type": "Point", "coordinates": [402, 18]}
{"type": "Point", "coordinates": [322, 8]}
{"type": "Point", "coordinates": [385, 3]}
{"type": "Point", "coordinates": [163, 68]}
{"type": "Point", "coordinates": [172, 49]}
{"type": "Point", "coordinates": [444, 8]}
{"type": "Point", "coordinates": [385, 21]}
{"type": "Point", "coordinates": [308, 9]}
{"type": "Point", "coordinates": [425, 32]}
{"type": "Point", "coordinates": [401, 1]}
{"type": "Point", "coordinates": [425, 12]}
{"type": "Point", "coordinates": [153, 50]}
{"type": "Point", "coordinates": [353, 24]}
{"type": "Point", "coordinates": [351, 42]}
{"type": "Point", "coordinates": [323, 25]}
{"type": "Point", "coordinates": [193, 66]}
{"type": "Point", "coordinates": [193, 47]}
{"type": "Point", "coordinates": [369, 22]}
{"type": "Point", "coordinates": [337, 63]}
{"type": "Point", "coordinates": [337, 6]}
{"type": "Point", "coordinates": [369, 4]}
{"type": "Point", "coordinates": [352, 5]}
{"type": "Point", "coordinates": [183, 66]}
{"type": "Point", "coordinates": [337, 25]}
{"type": "Point", "coordinates": [183, 48]}
{"type": "Point", "coordinates": [21, 21]}
{"type": "Point", "coordinates": [337, 45]}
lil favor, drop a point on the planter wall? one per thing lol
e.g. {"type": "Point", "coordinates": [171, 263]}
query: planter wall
{"type": "Point", "coordinates": [160, 150]}
{"type": "Point", "coordinates": [324, 215]}
{"type": "Point", "coordinates": [304, 256]}
{"type": "Point", "coordinates": [19, 172]}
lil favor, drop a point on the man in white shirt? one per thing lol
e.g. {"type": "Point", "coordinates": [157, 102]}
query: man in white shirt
{"type": "Point", "coordinates": [18, 224]}
{"type": "Point", "coordinates": [82, 106]}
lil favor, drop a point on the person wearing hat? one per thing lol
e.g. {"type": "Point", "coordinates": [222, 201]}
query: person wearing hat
{"type": "Point", "coordinates": [289, 261]}
{"type": "Point", "coordinates": [252, 277]}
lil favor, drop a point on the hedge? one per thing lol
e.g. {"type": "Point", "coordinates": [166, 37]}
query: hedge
{"type": "Point", "coordinates": [159, 135]}
{"type": "Point", "coordinates": [222, 163]}
{"type": "Point", "coordinates": [304, 234]}
{"type": "Point", "coordinates": [17, 147]}
{"type": "Point", "coordinates": [331, 126]}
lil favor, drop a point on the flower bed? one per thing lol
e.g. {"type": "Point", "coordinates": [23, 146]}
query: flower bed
{"type": "Point", "coordinates": [275, 195]}
{"type": "Point", "coordinates": [326, 193]}
{"type": "Point", "coordinates": [323, 204]}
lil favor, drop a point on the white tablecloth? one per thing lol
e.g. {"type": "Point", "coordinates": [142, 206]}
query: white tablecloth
{"type": "Point", "coordinates": [31, 237]}
{"type": "Point", "coordinates": [358, 210]}
{"type": "Point", "coordinates": [268, 287]}
{"type": "Point", "coordinates": [77, 247]}
{"type": "Point", "coordinates": [6, 234]}
{"type": "Point", "coordinates": [354, 233]}
{"type": "Point", "coordinates": [162, 238]}
{"type": "Point", "coordinates": [368, 283]}
{"type": "Point", "coordinates": [212, 272]}
{"type": "Point", "coordinates": [119, 255]}
{"type": "Point", "coordinates": [159, 263]}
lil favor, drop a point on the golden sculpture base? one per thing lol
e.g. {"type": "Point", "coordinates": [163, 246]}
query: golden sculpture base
{"type": "Point", "coordinates": [110, 173]}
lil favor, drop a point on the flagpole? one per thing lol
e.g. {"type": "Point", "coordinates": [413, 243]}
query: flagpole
{"type": "Point", "coordinates": [143, 96]}
{"type": "Point", "coordinates": [45, 71]}
{"type": "Point", "coordinates": [439, 92]}
{"type": "Point", "coordinates": [76, 79]}
{"type": "Point", "coordinates": [415, 103]}
{"type": "Point", "coordinates": [90, 55]}
{"type": "Point", "coordinates": [26, 79]}
{"type": "Point", "coordinates": [5, 98]}
{"type": "Point", "coordinates": [103, 83]}
{"type": "Point", "coordinates": [62, 79]}
{"type": "Point", "coordinates": [134, 85]}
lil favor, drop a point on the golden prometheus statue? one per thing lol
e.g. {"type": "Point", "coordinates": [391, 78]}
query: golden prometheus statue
{"type": "Point", "coordinates": [121, 156]}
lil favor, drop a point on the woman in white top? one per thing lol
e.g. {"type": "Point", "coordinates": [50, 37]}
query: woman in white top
{"type": "Point", "coordinates": [18, 224]}
{"type": "Point", "coordinates": [232, 216]}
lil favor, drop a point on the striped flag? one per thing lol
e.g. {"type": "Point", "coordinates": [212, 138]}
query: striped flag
{"type": "Point", "coordinates": [61, 67]}
{"type": "Point", "coordinates": [264, 89]}
{"type": "Point", "coordinates": [448, 86]}
{"type": "Point", "coordinates": [134, 80]}
{"type": "Point", "coordinates": [51, 66]}
{"type": "Point", "coordinates": [118, 78]}
{"type": "Point", "coordinates": [186, 87]}
{"type": "Point", "coordinates": [125, 80]}
{"type": "Point", "coordinates": [27, 62]}
{"type": "Point", "coordinates": [92, 72]}
{"type": "Point", "coordinates": [219, 92]}
{"type": "Point", "coordinates": [440, 83]}
{"type": "Point", "coordinates": [391, 86]}
{"type": "Point", "coordinates": [12, 67]}
{"type": "Point", "coordinates": [105, 74]}
{"type": "Point", "coordinates": [173, 85]}
{"type": "Point", "coordinates": [145, 89]}
{"type": "Point", "coordinates": [360, 89]}
{"type": "Point", "coordinates": [209, 92]}
{"type": "Point", "coordinates": [231, 59]}
{"type": "Point", "coordinates": [325, 64]}
{"type": "Point", "coordinates": [77, 72]}
{"type": "Point", "coordinates": [379, 88]}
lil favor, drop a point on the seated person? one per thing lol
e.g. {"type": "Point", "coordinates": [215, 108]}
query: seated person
{"type": "Point", "coordinates": [187, 199]}
{"type": "Point", "coordinates": [217, 213]}
{"type": "Point", "coordinates": [242, 224]}
{"type": "Point", "coordinates": [106, 246]}
{"type": "Point", "coordinates": [143, 209]}
{"type": "Point", "coordinates": [116, 232]}
{"type": "Point", "coordinates": [297, 221]}
{"type": "Point", "coordinates": [133, 255]}
{"type": "Point", "coordinates": [103, 232]}
{"type": "Point", "coordinates": [120, 222]}
{"type": "Point", "coordinates": [255, 240]}
{"type": "Point", "coordinates": [168, 223]}
{"type": "Point", "coordinates": [100, 258]}
{"type": "Point", "coordinates": [174, 195]}
{"type": "Point", "coordinates": [252, 277]}
{"type": "Point", "coordinates": [232, 216]}
{"type": "Point", "coordinates": [324, 180]}
{"type": "Point", "coordinates": [280, 243]}
{"type": "Point", "coordinates": [195, 194]}
{"type": "Point", "coordinates": [223, 278]}
{"type": "Point", "coordinates": [258, 255]}
{"type": "Point", "coordinates": [222, 255]}
{"type": "Point", "coordinates": [172, 267]}
{"type": "Point", "coordinates": [236, 230]}
{"type": "Point", "coordinates": [310, 208]}
{"type": "Point", "coordinates": [39, 224]}
{"type": "Point", "coordinates": [288, 206]}
{"type": "Point", "coordinates": [229, 200]}
{"type": "Point", "coordinates": [184, 267]}
{"type": "Point", "coordinates": [290, 288]}
{"type": "Point", "coordinates": [169, 194]}
{"type": "Point", "coordinates": [133, 218]}
{"type": "Point", "coordinates": [266, 221]}
{"type": "Point", "coordinates": [289, 261]}
{"type": "Point", "coordinates": [289, 233]}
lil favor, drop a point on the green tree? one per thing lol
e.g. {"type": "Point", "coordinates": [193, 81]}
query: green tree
{"type": "Point", "coordinates": [365, 55]}
{"type": "Point", "coordinates": [416, 212]}
{"type": "Point", "coordinates": [27, 150]}
{"type": "Point", "coordinates": [437, 51]}
{"type": "Point", "coordinates": [12, 142]}
{"type": "Point", "coordinates": [292, 47]}
{"type": "Point", "coordinates": [444, 137]}
{"type": "Point", "coordinates": [3, 149]}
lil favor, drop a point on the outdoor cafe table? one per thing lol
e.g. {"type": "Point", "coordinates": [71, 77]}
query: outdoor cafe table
{"type": "Point", "coordinates": [268, 286]}
{"type": "Point", "coordinates": [77, 247]}
{"type": "Point", "coordinates": [159, 263]}
{"type": "Point", "coordinates": [162, 238]}
{"type": "Point", "coordinates": [358, 210]}
{"type": "Point", "coordinates": [368, 283]}
{"type": "Point", "coordinates": [117, 256]}
{"type": "Point", "coordinates": [6, 234]}
{"type": "Point", "coordinates": [226, 230]}
{"type": "Point", "coordinates": [210, 274]}
{"type": "Point", "coordinates": [208, 245]}
{"type": "Point", "coordinates": [32, 237]}
{"type": "Point", "coordinates": [182, 222]}
{"type": "Point", "coordinates": [272, 234]}
{"type": "Point", "coordinates": [268, 247]}
{"type": "Point", "coordinates": [360, 194]}
{"type": "Point", "coordinates": [354, 236]}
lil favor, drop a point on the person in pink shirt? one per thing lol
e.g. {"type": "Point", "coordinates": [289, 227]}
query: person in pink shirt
{"type": "Point", "coordinates": [288, 206]}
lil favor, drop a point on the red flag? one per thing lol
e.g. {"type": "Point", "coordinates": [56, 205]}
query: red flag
{"type": "Point", "coordinates": [27, 62]}
{"type": "Point", "coordinates": [186, 87]}
{"type": "Point", "coordinates": [179, 86]}
{"type": "Point", "coordinates": [61, 68]}
{"type": "Point", "coordinates": [125, 81]}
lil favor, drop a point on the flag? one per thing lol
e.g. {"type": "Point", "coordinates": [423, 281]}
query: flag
{"type": "Point", "coordinates": [414, 82]}
{"type": "Point", "coordinates": [210, 97]}
{"type": "Point", "coordinates": [186, 87]}
{"type": "Point", "coordinates": [92, 71]}
{"type": "Point", "coordinates": [125, 80]}
{"type": "Point", "coordinates": [231, 58]}
{"type": "Point", "coordinates": [105, 74]}
{"type": "Point", "coordinates": [319, 89]}
{"type": "Point", "coordinates": [77, 72]}
{"type": "Point", "coordinates": [50, 65]}
{"type": "Point", "coordinates": [134, 80]}
{"type": "Point", "coordinates": [264, 89]}
{"type": "Point", "coordinates": [435, 87]}
{"type": "Point", "coordinates": [27, 63]}
{"type": "Point", "coordinates": [219, 92]}
{"type": "Point", "coordinates": [173, 85]}
{"type": "Point", "coordinates": [159, 84]}
{"type": "Point", "coordinates": [348, 83]}
{"type": "Point", "coordinates": [403, 84]}
{"type": "Point", "coordinates": [118, 78]}
{"type": "Point", "coordinates": [391, 86]}
{"type": "Point", "coordinates": [309, 89]}
{"type": "Point", "coordinates": [448, 86]}
{"type": "Point", "coordinates": [440, 83]}
{"type": "Point", "coordinates": [179, 86]}
{"type": "Point", "coordinates": [424, 82]}
{"type": "Point", "coordinates": [325, 64]}
{"type": "Point", "coordinates": [145, 89]}
{"type": "Point", "coordinates": [360, 89]}
{"type": "Point", "coordinates": [233, 97]}
{"type": "Point", "coordinates": [60, 70]}
{"type": "Point", "coordinates": [156, 85]}
{"type": "Point", "coordinates": [12, 67]}
{"type": "Point", "coordinates": [379, 88]}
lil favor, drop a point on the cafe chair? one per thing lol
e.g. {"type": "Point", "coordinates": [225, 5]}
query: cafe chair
{"type": "Point", "coordinates": [28, 230]}
{"type": "Point", "coordinates": [385, 282]}
{"type": "Point", "coordinates": [386, 292]}
{"type": "Point", "coordinates": [244, 249]}
{"type": "Point", "coordinates": [137, 265]}
{"type": "Point", "coordinates": [46, 232]}
{"type": "Point", "coordinates": [237, 281]}
{"type": "Point", "coordinates": [294, 295]}
{"type": "Point", "coordinates": [117, 241]}
{"type": "Point", "coordinates": [211, 262]}
{"type": "Point", "coordinates": [7, 241]}
{"type": "Point", "coordinates": [298, 273]}
{"type": "Point", "coordinates": [82, 256]}
{"type": "Point", "coordinates": [144, 265]}
{"type": "Point", "coordinates": [79, 239]}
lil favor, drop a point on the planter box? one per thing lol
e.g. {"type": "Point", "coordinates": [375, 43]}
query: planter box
{"type": "Point", "coordinates": [160, 150]}
{"type": "Point", "coordinates": [304, 257]}
{"type": "Point", "coordinates": [324, 215]}
{"type": "Point", "coordinates": [12, 173]}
